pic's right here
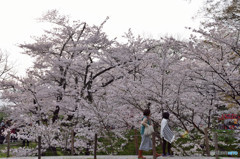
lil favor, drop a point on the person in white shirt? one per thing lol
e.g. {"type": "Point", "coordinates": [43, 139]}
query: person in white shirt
{"type": "Point", "coordinates": [166, 134]}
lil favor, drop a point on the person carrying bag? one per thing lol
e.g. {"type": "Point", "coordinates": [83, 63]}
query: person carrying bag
{"type": "Point", "coordinates": [146, 132]}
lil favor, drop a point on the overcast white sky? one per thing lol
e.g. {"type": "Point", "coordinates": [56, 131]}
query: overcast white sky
{"type": "Point", "coordinates": [145, 17]}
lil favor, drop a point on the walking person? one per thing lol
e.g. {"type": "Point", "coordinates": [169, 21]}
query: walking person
{"type": "Point", "coordinates": [146, 142]}
{"type": "Point", "coordinates": [166, 134]}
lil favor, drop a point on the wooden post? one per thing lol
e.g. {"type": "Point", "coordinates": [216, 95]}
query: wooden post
{"type": "Point", "coordinates": [66, 140]}
{"type": "Point", "coordinates": [95, 147]}
{"type": "Point", "coordinates": [8, 143]}
{"type": "Point", "coordinates": [136, 141]}
{"type": "Point", "coordinates": [39, 147]}
{"type": "Point", "coordinates": [216, 144]}
{"type": "Point", "coordinates": [154, 144]}
{"type": "Point", "coordinates": [206, 141]}
{"type": "Point", "coordinates": [72, 143]}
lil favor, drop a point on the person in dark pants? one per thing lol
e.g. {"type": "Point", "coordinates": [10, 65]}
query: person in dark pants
{"type": "Point", "coordinates": [2, 138]}
{"type": "Point", "coordinates": [166, 134]}
{"type": "Point", "coordinates": [165, 143]}
{"type": "Point", "coordinates": [24, 142]}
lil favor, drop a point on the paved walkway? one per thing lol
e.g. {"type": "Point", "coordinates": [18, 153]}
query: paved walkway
{"type": "Point", "coordinates": [116, 157]}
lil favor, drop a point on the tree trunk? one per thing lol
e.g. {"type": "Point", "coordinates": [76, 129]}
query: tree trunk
{"type": "Point", "coordinates": [136, 141]}
{"type": "Point", "coordinates": [39, 147]}
{"type": "Point", "coordinates": [95, 147]}
{"type": "Point", "coordinates": [216, 144]}
{"type": "Point", "coordinates": [72, 143]}
{"type": "Point", "coordinates": [207, 141]}
{"type": "Point", "coordinates": [8, 144]}
{"type": "Point", "coordinates": [154, 144]}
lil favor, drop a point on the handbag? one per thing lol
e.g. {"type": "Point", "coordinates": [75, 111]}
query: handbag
{"type": "Point", "coordinates": [148, 130]}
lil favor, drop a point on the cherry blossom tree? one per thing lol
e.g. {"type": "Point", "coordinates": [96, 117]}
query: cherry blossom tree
{"type": "Point", "coordinates": [83, 83]}
{"type": "Point", "coordinates": [63, 91]}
